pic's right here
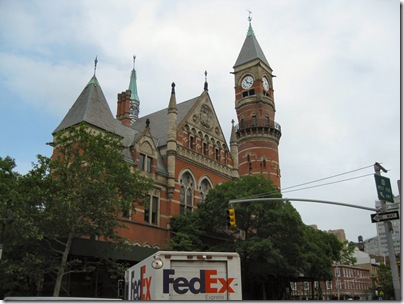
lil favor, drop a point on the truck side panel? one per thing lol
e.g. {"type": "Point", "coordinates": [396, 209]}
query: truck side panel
{"type": "Point", "coordinates": [170, 275]}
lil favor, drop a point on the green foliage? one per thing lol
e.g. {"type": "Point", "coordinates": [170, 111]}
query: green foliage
{"type": "Point", "coordinates": [346, 256]}
{"type": "Point", "coordinates": [100, 184]}
{"type": "Point", "coordinates": [385, 282]}
{"type": "Point", "coordinates": [273, 242]}
{"type": "Point", "coordinates": [82, 191]}
{"type": "Point", "coordinates": [321, 249]}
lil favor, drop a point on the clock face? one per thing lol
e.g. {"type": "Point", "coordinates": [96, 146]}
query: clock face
{"type": "Point", "coordinates": [247, 82]}
{"type": "Point", "coordinates": [265, 83]}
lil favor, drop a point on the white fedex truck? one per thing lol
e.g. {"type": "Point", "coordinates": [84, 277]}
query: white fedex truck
{"type": "Point", "coordinates": [184, 275]}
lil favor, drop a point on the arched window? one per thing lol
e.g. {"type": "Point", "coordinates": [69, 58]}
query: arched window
{"type": "Point", "coordinates": [186, 193]}
{"type": "Point", "coordinates": [253, 120]}
{"type": "Point", "coordinates": [204, 189]}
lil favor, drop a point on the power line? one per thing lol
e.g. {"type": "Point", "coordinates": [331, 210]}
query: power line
{"type": "Point", "coordinates": [343, 180]}
{"type": "Point", "coordinates": [328, 177]}
{"type": "Point", "coordinates": [276, 192]}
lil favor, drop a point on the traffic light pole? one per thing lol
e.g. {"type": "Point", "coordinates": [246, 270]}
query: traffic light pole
{"type": "Point", "coordinates": [390, 245]}
{"type": "Point", "coordinates": [249, 200]}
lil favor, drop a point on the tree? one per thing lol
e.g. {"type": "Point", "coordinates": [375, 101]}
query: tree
{"type": "Point", "coordinates": [21, 265]}
{"type": "Point", "coordinates": [321, 250]}
{"type": "Point", "coordinates": [385, 282]}
{"type": "Point", "coordinates": [90, 186]}
{"type": "Point", "coordinates": [275, 246]}
{"type": "Point", "coordinates": [346, 256]}
{"type": "Point", "coordinates": [81, 192]}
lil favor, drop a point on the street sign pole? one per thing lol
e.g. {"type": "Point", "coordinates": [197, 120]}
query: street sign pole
{"type": "Point", "coordinates": [390, 245]}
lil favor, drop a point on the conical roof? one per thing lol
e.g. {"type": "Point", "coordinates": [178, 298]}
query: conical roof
{"type": "Point", "coordinates": [91, 107]}
{"type": "Point", "coordinates": [250, 50]}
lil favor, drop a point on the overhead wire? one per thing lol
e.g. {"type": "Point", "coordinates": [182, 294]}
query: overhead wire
{"type": "Point", "coordinates": [321, 179]}
{"type": "Point", "coordinates": [318, 180]}
{"type": "Point", "coordinates": [339, 181]}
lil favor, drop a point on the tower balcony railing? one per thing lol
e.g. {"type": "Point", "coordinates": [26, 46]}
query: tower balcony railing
{"type": "Point", "coordinates": [257, 123]}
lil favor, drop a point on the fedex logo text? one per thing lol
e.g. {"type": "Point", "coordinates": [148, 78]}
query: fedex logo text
{"type": "Point", "coordinates": [204, 284]}
{"type": "Point", "coordinates": [140, 289]}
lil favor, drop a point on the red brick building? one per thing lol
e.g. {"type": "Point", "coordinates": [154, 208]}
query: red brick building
{"type": "Point", "coordinates": [182, 146]}
{"type": "Point", "coordinates": [349, 282]}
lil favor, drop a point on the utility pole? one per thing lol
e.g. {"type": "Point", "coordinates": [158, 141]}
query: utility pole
{"type": "Point", "coordinates": [390, 246]}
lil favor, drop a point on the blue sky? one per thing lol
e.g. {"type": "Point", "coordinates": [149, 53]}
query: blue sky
{"type": "Point", "coordinates": [337, 90]}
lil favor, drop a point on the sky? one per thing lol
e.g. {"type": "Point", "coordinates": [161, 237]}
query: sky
{"type": "Point", "coordinates": [337, 90]}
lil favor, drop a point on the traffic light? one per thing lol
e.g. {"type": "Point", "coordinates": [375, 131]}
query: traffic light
{"type": "Point", "coordinates": [231, 218]}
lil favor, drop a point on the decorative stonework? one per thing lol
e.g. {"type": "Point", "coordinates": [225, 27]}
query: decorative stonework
{"type": "Point", "coordinates": [199, 159]}
{"type": "Point", "coordinates": [146, 148]}
{"type": "Point", "coordinates": [206, 116]}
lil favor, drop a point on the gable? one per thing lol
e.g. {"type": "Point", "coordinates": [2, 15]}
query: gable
{"type": "Point", "coordinates": [202, 119]}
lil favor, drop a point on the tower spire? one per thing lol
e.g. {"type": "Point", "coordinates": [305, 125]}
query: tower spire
{"type": "Point", "coordinates": [134, 98]}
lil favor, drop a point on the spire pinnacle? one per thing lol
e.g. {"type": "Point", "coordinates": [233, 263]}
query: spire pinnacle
{"type": "Point", "coordinates": [134, 97]}
{"type": "Point", "coordinates": [173, 88]}
{"type": "Point", "coordinates": [206, 81]}
{"type": "Point", "coordinates": [250, 30]}
{"type": "Point", "coordinates": [95, 64]}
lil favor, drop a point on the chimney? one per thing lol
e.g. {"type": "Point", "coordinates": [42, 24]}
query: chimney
{"type": "Point", "coordinates": [122, 112]}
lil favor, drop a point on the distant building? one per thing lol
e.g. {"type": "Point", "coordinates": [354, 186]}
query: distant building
{"type": "Point", "coordinates": [339, 233]}
{"type": "Point", "coordinates": [378, 244]}
{"type": "Point", "coordinates": [349, 282]}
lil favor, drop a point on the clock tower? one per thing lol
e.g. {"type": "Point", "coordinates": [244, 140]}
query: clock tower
{"type": "Point", "coordinates": [257, 132]}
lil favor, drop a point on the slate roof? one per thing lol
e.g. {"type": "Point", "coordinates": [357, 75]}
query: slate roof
{"type": "Point", "coordinates": [250, 50]}
{"type": "Point", "coordinates": [92, 107]}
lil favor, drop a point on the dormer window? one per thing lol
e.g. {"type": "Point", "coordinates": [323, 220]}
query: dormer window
{"type": "Point", "coordinates": [145, 163]}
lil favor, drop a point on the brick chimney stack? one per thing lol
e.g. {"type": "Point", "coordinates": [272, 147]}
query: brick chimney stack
{"type": "Point", "coordinates": [122, 112]}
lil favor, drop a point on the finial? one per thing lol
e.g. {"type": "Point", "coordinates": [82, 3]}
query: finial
{"type": "Point", "coordinates": [147, 123]}
{"type": "Point", "coordinates": [95, 64]}
{"type": "Point", "coordinates": [232, 121]}
{"type": "Point", "coordinates": [250, 30]}
{"type": "Point", "coordinates": [172, 88]}
{"type": "Point", "coordinates": [134, 58]}
{"type": "Point", "coordinates": [206, 81]}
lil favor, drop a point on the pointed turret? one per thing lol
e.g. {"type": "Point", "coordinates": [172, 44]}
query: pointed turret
{"type": "Point", "coordinates": [251, 49]}
{"type": "Point", "coordinates": [234, 148]}
{"type": "Point", "coordinates": [134, 97]}
{"type": "Point", "coordinates": [172, 105]}
{"type": "Point", "coordinates": [90, 107]}
{"type": "Point", "coordinates": [171, 141]}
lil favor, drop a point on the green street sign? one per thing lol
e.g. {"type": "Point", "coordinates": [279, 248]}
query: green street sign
{"type": "Point", "coordinates": [383, 187]}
